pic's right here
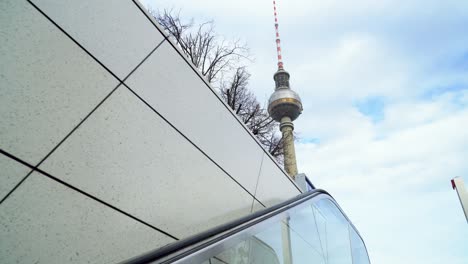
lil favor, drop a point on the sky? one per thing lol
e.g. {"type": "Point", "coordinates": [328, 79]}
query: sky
{"type": "Point", "coordinates": [384, 86]}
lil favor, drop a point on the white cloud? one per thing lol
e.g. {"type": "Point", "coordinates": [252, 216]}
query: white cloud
{"type": "Point", "coordinates": [397, 189]}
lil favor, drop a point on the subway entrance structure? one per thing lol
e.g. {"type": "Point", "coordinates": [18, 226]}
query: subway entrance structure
{"type": "Point", "coordinates": [98, 166]}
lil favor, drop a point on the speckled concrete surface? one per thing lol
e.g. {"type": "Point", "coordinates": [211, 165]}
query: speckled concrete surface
{"type": "Point", "coordinates": [128, 156]}
{"type": "Point", "coordinates": [117, 34]}
{"type": "Point", "coordinates": [11, 173]}
{"type": "Point", "coordinates": [46, 222]}
{"type": "Point", "coordinates": [48, 83]}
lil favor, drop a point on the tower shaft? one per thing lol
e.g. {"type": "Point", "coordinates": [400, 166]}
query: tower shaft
{"type": "Point", "coordinates": [287, 128]}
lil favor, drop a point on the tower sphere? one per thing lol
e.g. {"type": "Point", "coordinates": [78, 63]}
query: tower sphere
{"type": "Point", "coordinates": [284, 102]}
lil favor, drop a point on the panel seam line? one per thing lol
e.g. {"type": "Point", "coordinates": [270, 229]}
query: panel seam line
{"type": "Point", "coordinates": [46, 174]}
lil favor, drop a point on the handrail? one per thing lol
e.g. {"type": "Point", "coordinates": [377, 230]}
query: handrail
{"type": "Point", "coordinates": [212, 233]}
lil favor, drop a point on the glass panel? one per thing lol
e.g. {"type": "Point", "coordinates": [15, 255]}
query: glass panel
{"type": "Point", "coordinates": [278, 243]}
{"type": "Point", "coordinates": [273, 238]}
{"type": "Point", "coordinates": [314, 232]}
{"type": "Point", "coordinates": [358, 248]}
{"type": "Point", "coordinates": [261, 252]}
{"type": "Point", "coordinates": [265, 247]}
{"type": "Point", "coordinates": [338, 244]}
{"type": "Point", "coordinates": [304, 225]}
{"type": "Point", "coordinates": [321, 225]}
{"type": "Point", "coordinates": [237, 254]}
{"type": "Point", "coordinates": [303, 252]}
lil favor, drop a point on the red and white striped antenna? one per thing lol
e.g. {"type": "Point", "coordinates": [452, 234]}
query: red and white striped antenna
{"type": "Point", "coordinates": [278, 41]}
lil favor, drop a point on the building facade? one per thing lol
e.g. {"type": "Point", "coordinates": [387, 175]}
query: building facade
{"type": "Point", "coordinates": [107, 145]}
{"type": "Point", "coordinates": [106, 132]}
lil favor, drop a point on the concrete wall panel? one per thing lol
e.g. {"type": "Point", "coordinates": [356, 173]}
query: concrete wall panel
{"type": "Point", "coordinates": [128, 156]}
{"type": "Point", "coordinates": [48, 84]}
{"type": "Point", "coordinates": [115, 32]}
{"type": "Point", "coordinates": [46, 222]}
{"type": "Point", "coordinates": [167, 151]}
{"type": "Point", "coordinates": [273, 186]}
{"type": "Point", "coordinates": [256, 206]}
{"type": "Point", "coordinates": [11, 173]}
{"type": "Point", "coordinates": [168, 83]}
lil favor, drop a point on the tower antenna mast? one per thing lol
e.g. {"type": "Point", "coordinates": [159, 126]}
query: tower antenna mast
{"type": "Point", "coordinates": [278, 41]}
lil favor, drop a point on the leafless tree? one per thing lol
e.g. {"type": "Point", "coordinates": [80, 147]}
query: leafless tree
{"type": "Point", "coordinates": [210, 53]}
{"type": "Point", "coordinates": [242, 101]}
{"type": "Point", "coordinates": [217, 58]}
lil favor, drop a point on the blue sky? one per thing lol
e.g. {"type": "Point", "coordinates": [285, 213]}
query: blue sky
{"type": "Point", "coordinates": [385, 122]}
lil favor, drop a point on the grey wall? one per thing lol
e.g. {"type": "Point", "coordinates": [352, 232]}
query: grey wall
{"type": "Point", "coordinates": [111, 143]}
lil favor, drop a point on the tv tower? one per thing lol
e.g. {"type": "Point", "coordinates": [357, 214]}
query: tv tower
{"type": "Point", "coordinates": [284, 107]}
